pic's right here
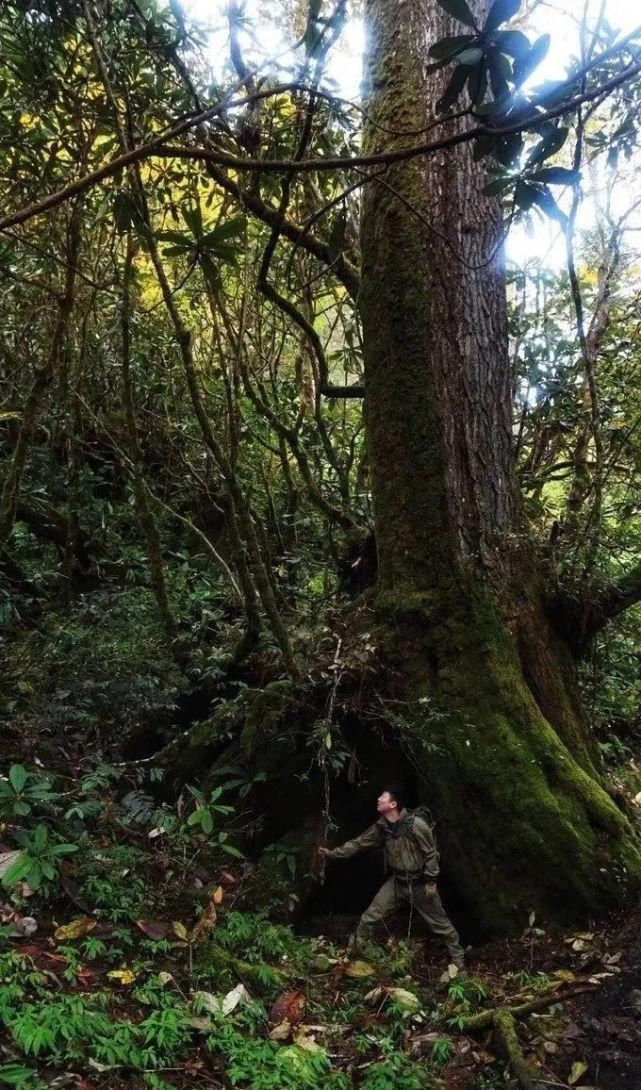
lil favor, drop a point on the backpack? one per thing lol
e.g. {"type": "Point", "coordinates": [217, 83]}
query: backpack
{"type": "Point", "coordinates": [425, 814]}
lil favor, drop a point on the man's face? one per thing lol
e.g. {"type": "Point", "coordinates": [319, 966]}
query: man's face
{"type": "Point", "coordinates": [386, 802]}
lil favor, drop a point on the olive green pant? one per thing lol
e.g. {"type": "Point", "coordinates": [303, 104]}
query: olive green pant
{"type": "Point", "coordinates": [429, 907]}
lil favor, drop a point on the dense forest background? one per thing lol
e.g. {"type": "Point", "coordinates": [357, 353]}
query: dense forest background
{"type": "Point", "coordinates": [307, 486]}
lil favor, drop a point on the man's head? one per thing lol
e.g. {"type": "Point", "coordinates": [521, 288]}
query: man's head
{"type": "Point", "coordinates": [391, 801]}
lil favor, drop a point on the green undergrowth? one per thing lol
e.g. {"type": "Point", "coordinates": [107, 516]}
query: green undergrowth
{"type": "Point", "coordinates": [129, 956]}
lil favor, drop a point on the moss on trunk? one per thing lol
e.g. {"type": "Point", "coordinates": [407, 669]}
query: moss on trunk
{"type": "Point", "coordinates": [524, 823]}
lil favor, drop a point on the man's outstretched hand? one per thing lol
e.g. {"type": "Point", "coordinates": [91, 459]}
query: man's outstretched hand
{"type": "Point", "coordinates": [430, 888]}
{"type": "Point", "coordinates": [324, 851]}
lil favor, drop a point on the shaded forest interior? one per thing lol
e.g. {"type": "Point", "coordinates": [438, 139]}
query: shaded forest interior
{"type": "Point", "coordinates": [319, 473]}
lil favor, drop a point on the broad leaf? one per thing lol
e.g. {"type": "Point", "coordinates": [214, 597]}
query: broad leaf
{"type": "Point", "coordinates": [194, 220]}
{"type": "Point", "coordinates": [525, 65]}
{"type": "Point", "coordinates": [552, 141]}
{"type": "Point", "coordinates": [513, 42]}
{"type": "Point", "coordinates": [449, 47]}
{"type": "Point", "coordinates": [454, 88]}
{"type": "Point", "coordinates": [557, 176]}
{"type": "Point", "coordinates": [459, 9]}
{"type": "Point", "coordinates": [18, 777]}
{"type": "Point", "coordinates": [500, 12]}
{"type": "Point", "coordinates": [470, 56]}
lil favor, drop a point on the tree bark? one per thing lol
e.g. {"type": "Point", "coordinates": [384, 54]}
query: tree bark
{"type": "Point", "coordinates": [485, 687]}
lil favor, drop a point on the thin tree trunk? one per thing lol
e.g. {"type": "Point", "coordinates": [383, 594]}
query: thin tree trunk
{"type": "Point", "coordinates": [43, 376]}
{"type": "Point", "coordinates": [143, 504]}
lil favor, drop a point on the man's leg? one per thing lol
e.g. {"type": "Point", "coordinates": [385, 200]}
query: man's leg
{"type": "Point", "coordinates": [383, 903]}
{"type": "Point", "coordinates": [431, 909]}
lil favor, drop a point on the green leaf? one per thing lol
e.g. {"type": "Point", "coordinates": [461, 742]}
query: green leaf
{"type": "Point", "coordinates": [498, 185]}
{"type": "Point", "coordinates": [22, 808]}
{"type": "Point", "coordinates": [453, 89]}
{"type": "Point", "coordinates": [229, 228]}
{"type": "Point", "coordinates": [500, 12]}
{"type": "Point", "coordinates": [525, 65]}
{"type": "Point", "coordinates": [513, 42]}
{"type": "Point", "coordinates": [180, 251]}
{"type": "Point", "coordinates": [470, 56]}
{"type": "Point", "coordinates": [231, 850]}
{"type": "Point", "coordinates": [194, 220]}
{"type": "Point", "coordinates": [449, 47]}
{"type": "Point", "coordinates": [63, 849]}
{"type": "Point", "coordinates": [207, 822]}
{"type": "Point", "coordinates": [459, 9]}
{"type": "Point", "coordinates": [524, 195]}
{"type": "Point", "coordinates": [210, 272]}
{"type": "Point", "coordinates": [16, 870]}
{"type": "Point", "coordinates": [544, 200]}
{"type": "Point", "coordinates": [40, 837]}
{"type": "Point", "coordinates": [500, 72]}
{"type": "Point", "coordinates": [477, 84]}
{"type": "Point", "coordinates": [16, 1074]}
{"type": "Point", "coordinates": [508, 150]}
{"type": "Point", "coordinates": [553, 139]}
{"type": "Point", "coordinates": [556, 176]}
{"type": "Point", "coordinates": [18, 777]}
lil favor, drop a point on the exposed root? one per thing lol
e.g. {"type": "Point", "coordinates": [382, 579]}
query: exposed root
{"type": "Point", "coordinates": [502, 1021]}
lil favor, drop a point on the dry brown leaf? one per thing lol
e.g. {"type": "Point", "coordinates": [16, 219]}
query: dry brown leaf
{"type": "Point", "coordinates": [289, 1007]}
{"type": "Point", "coordinates": [280, 1032]}
{"type": "Point", "coordinates": [153, 929]}
{"type": "Point", "coordinates": [217, 895]}
{"type": "Point", "coordinates": [206, 921]}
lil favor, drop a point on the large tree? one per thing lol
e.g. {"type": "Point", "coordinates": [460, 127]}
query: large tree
{"type": "Point", "coordinates": [512, 774]}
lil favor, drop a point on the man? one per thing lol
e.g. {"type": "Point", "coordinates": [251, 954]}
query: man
{"type": "Point", "coordinates": [411, 859]}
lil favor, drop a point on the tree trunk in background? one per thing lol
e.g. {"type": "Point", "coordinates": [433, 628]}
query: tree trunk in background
{"type": "Point", "coordinates": [524, 820]}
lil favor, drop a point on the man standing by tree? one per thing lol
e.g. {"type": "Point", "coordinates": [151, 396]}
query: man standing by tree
{"type": "Point", "coordinates": [412, 860]}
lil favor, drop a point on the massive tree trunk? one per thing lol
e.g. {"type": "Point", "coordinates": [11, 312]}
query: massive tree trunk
{"type": "Point", "coordinates": [525, 821]}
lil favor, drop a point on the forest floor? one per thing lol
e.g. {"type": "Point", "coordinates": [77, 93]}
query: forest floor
{"type": "Point", "coordinates": [108, 994]}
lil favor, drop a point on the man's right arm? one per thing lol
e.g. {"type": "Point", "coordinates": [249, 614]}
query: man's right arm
{"type": "Point", "coordinates": [368, 839]}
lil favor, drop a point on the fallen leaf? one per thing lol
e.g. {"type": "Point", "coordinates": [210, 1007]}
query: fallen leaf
{"type": "Point", "coordinates": [180, 931]}
{"type": "Point", "coordinates": [358, 969]}
{"type": "Point", "coordinates": [226, 879]}
{"type": "Point", "coordinates": [217, 895]}
{"type": "Point", "coordinates": [76, 929]}
{"type": "Point", "coordinates": [288, 1007]}
{"type": "Point", "coordinates": [280, 1032]}
{"type": "Point", "coordinates": [303, 1038]}
{"type": "Point", "coordinates": [578, 1068]}
{"type": "Point", "coordinates": [205, 1025]}
{"type": "Point", "coordinates": [206, 921]}
{"type": "Point", "coordinates": [236, 997]}
{"type": "Point", "coordinates": [123, 976]}
{"type": "Point", "coordinates": [566, 975]}
{"type": "Point", "coordinates": [153, 929]}
{"type": "Point", "coordinates": [407, 1000]}
{"type": "Point", "coordinates": [216, 1004]}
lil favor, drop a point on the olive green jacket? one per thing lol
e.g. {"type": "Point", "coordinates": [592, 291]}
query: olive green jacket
{"type": "Point", "coordinates": [409, 846]}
